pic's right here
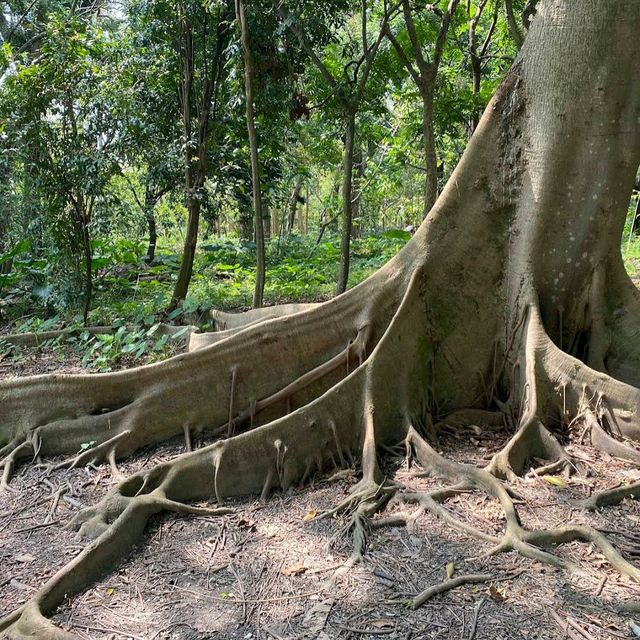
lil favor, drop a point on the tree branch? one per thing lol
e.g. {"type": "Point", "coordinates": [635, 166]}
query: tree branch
{"type": "Point", "coordinates": [514, 30]}
{"type": "Point", "coordinates": [445, 22]}
{"type": "Point", "coordinates": [402, 55]}
{"type": "Point", "coordinates": [413, 37]}
{"type": "Point", "coordinates": [306, 45]}
{"type": "Point", "coordinates": [487, 40]}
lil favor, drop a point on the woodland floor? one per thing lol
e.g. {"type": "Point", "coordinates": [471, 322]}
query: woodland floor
{"type": "Point", "coordinates": [262, 572]}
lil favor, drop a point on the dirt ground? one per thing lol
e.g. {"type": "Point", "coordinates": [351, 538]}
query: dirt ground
{"type": "Point", "coordinates": [265, 572]}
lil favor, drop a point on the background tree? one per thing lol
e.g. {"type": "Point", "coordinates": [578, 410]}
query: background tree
{"type": "Point", "coordinates": [202, 63]}
{"type": "Point", "coordinates": [347, 85]}
{"type": "Point", "coordinates": [62, 110]}
{"type": "Point", "coordinates": [258, 220]}
{"type": "Point", "coordinates": [424, 71]}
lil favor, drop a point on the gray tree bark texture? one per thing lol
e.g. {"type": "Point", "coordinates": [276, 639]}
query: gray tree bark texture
{"type": "Point", "coordinates": [510, 303]}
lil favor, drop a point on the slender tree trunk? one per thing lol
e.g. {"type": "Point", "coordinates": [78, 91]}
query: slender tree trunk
{"type": "Point", "coordinates": [356, 193]}
{"type": "Point", "coordinates": [347, 199]}
{"type": "Point", "coordinates": [430, 153]}
{"type": "Point", "coordinates": [293, 204]}
{"type": "Point", "coordinates": [150, 202]}
{"type": "Point", "coordinates": [195, 158]}
{"type": "Point", "coordinates": [87, 258]}
{"type": "Point", "coordinates": [476, 79]}
{"type": "Point", "coordinates": [193, 204]}
{"type": "Point", "coordinates": [267, 224]}
{"type": "Point", "coordinates": [189, 249]}
{"type": "Point", "coordinates": [636, 216]}
{"type": "Point", "coordinates": [512, 23]}
{"type": "Point", "coordinates": [258, 222]}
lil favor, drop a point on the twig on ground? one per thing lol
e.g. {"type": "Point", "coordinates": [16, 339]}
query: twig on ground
{"type": "Point", "coordinates": [447, 585]}
{"type": "Point", "coordinates": [474, 624]}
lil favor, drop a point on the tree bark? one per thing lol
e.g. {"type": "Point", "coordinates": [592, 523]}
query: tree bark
{"type": "Point", "coordinates": [527, 317]}
{"type": "Point", "coordinates": [512, 23]}
{"type": "Point", "coordinates": [188, 251]}
{"type": "Point", "coordinates": [347, 200]}
{"type": "Point", "coordinates": [88, 274]}
{"type": "Point", "coordinates": [431, 155]}
{"type": "Point", "coordinates": [150, 201]}
{"type": "Point", "coordinates": [192, 200]}
{"type": "Point", "coordinates": [293, 205]}
{"type": "Point", "coordinates": [258, 221]}
{"type": "Point", "coordinates": [476, 56]}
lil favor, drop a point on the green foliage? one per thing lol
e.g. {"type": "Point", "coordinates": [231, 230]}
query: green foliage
{"type": "Point", "coordinates": [103, 351]}
{"type": "Point", "coordinates": [94, 148]}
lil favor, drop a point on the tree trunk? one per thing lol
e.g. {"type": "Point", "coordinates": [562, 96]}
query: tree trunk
{"type": "Point", "coordinates": [82, 220]}
{"type": "Point", "coordinates": [347, 200]}
{"type": "Point", "coordinates": [527, 318]}
{"type": "Point", "coordinates": [635, 225]}
{"type": "Point", "coordinates": [512, 23]}
{"type": "Point", "coordinates": [430, 153]}
{"type": "Point", "coordinates": [356, 191]}
{"type": "Point", "coordinates": [192, 200]}
{"type": "Point", "coordinates": [258, 222]}
{"type": "Point", "coordinates": [150, 202]}
{"type": "Point", "coordinates": [293, 205]}
{"type": "Point", "coordinates": [266, 224]}
{"type": "Point", "coordinates": [476, 78]}
{"type": "Point", "coordinates": [88, 275]}
{"type": "Point", "coordinates": [189, 250]}
{"type": "Point", "coordinates": [195, 153]}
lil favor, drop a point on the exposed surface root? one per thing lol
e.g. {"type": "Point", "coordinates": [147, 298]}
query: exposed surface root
{"type": "Point", "coordinates": [610, 497]}
{"type": "Point", "coordinates": [13, 454]}
{"type": "Point", "coordinates": [516, 537]}
{"type": "Point", "coordinates": [606, 442]}
{"type": "Point", "coordinates": [108, 416]}
{"type": "Point", "coordinates": [95, 454]}
{"type": "Point", "coordinates": [532, 440]}
{"type": "Point", "coordinates": [222, 320]}
{"type": "Point", "coordinates": [115, 525]}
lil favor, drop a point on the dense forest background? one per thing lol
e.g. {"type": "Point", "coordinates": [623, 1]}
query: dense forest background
{"type": "Point", "coordinates": [142, 141]}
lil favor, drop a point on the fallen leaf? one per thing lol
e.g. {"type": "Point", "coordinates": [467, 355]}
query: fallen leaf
{"type": "Point", "coordinates": [25, 557]}
{"type": "Point", "coordinates": [383, 624]}
{"type": "Point", "coordinates": [247, 524]}
{"type": "Point", "coordinates": [451, 568]}
{"type": "Point", "coordinates": [110, 591]}
{"type": "Point", "coordinates": [498, 595]}
{"type": "Point", "coordinates": [294, 569]}
{"type": "Point", "coordinates": [310, 515]}
{"type": "Point", "coordinates": [554, 481]}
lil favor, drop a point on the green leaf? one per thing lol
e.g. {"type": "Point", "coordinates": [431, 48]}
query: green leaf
{"type": "Point", "coordinates": [397, 234]}
{"type": "Point", "coordinates": [554, 481]}
{"type": "Point", "coordinates": [450, 568]}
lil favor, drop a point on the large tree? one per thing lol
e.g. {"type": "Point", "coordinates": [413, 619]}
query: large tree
{"type": "Point", "coordinates": [527, 315]}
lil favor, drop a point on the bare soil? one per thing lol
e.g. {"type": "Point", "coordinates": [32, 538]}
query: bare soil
{"type": "Point", "coordinates": [265, 571]}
